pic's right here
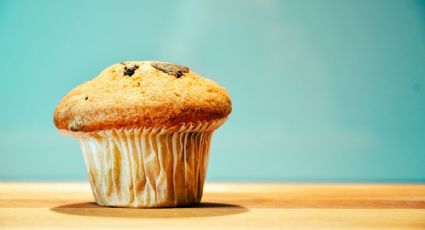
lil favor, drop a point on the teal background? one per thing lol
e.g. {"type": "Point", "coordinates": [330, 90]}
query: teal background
{"type": "Point", "coordinates": [321, 90]}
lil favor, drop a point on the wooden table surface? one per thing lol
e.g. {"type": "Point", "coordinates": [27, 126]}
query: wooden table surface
{"type": "Point", "coordinates": [225, 206]}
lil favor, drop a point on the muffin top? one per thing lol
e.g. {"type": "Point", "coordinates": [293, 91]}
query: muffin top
{"type": "Point", "coordinates": [142, 94]}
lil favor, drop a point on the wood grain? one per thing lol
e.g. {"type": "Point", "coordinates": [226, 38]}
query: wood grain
{"type": "Point", "coordinates": [225, 206]}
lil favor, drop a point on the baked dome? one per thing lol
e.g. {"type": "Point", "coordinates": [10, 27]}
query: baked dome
{"type": "Point", "coordinates": [142, 94]}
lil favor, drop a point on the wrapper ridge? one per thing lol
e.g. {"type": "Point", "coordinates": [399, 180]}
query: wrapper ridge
{"type": "Point", "coordinates": [148, 166]}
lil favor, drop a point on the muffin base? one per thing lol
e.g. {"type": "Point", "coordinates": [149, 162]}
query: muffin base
{"type": "Point", "coordinates": [148, 167]}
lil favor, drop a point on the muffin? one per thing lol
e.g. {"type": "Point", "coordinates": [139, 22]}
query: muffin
{"type": "Point", "coordinates": [145, 129]}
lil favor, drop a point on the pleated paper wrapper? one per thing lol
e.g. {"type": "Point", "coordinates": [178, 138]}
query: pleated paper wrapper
{"type": "Point", "coordinates": [148, 166]}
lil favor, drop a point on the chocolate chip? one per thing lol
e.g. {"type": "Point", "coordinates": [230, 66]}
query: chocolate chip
{"type": "Point", "coordinates": [170, 68]}
{"type": "Point", "coordinates": [129, 69]}
{"type": "Point", "coordinates": [86, 98]}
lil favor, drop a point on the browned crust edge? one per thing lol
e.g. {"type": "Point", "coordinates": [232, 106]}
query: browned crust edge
{"type": "Point", "coordinates": [116, 118]}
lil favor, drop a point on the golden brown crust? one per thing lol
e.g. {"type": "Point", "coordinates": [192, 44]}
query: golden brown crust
{"type": "Point", "coordinates": [141, 94]}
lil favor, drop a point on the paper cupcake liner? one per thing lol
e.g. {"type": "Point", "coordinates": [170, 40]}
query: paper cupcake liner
{"type": "Point", "coordinates": [150, 166]}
